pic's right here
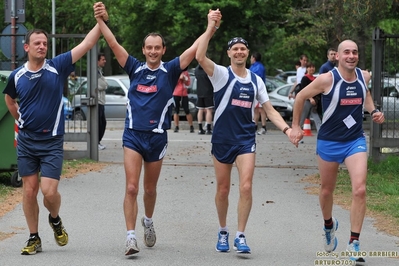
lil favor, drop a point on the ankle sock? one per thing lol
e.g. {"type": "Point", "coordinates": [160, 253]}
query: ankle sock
{"type": "Point", "coordinates": [354, 236]}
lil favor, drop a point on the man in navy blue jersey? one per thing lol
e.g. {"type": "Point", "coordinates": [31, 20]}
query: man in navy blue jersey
{"type": "Point", "coordinates": [150, 99]}
{"type": "Point", "coordinates": [33, 96]}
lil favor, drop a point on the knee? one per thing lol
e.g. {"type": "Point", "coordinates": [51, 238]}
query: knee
{"type": "Point", "coordinates": [131, 190]}
{"type": "Point", "coordinates": [246, 189]}
{"type": "Point", "coordinates": [223, 192]}
{"type": "Point", "coordinates": [359, 192]}
{"type": "Point", "coordinates": [150, 191]}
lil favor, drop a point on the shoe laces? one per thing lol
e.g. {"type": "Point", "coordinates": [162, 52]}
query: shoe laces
{"type": "Point", "coordinates": [242, 240]}
{"type": "Point", "coordinates": [223, 238]}
{"type": "Point", "coordinates": [328, 235]}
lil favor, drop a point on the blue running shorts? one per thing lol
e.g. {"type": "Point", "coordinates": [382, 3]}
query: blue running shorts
{"type": "Point", "coordinates": [338, 151]}
{"type": "Point", "coordinates": [36, 155]}
{"type": "Point", "coordinates": [226, 153]}
{"type": "Point", "coordinates": [152, 146]}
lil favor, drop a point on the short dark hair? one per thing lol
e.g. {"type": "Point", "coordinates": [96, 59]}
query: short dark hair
{"type": "Point", "coordinates": [36, 31]}
{"type": "Point", "coordinates": [331, 49]}
{"type": "Point", "coordinates": [99, 56]}
{"type": "Point", "coordinates": [297, 63]}
{"type": "Point", "coordinates": [257, 56]}
{"type": "Point", "coordinates": [154, 34]}
{"type": "Point", "coordinates": [310, 64]}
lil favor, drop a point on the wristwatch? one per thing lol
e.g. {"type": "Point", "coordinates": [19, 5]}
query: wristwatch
{"type": "Point", "coordinates": [374, 111]}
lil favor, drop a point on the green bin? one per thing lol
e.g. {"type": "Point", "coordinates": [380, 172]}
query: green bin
{"type": "Point", "coordinates": [8, 153]}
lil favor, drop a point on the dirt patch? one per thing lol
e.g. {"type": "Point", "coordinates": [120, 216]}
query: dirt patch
{"type": "Point", "coordinates": [382, 223]}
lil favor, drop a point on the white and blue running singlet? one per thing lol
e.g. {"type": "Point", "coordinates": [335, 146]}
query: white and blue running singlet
{"type": "Point", "coordinates": [235, 99]}
{"type": "Point", "coordinates": [343, 108]}
{"type": "Point", "coordinates": [150, 97]}
{"type": "Point", "coordinates": [41, 108]}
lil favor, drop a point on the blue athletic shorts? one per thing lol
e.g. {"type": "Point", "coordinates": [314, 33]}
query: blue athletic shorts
{"type": "Point", "coordinates": [35, 155]}
{"type": "Point", "coordinates": [152, 146]}
{"type": "Point", "coordinates": [338, 151]}
{"type": "Point", "coordinates": [225, 153]}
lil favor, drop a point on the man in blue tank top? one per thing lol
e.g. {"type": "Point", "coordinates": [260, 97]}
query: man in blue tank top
{"type": "Point", "coordinates": [38, 85]}
{"type": "Point", "coordinates": [236, 90]}
{"type": "Point", "coordinates": [341, 139]}
{"type": "Point", "coordinates": [150, 99]}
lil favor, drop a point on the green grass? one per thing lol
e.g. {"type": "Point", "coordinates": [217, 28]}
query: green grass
{"type": "Point", "coordinates": [382, 187]}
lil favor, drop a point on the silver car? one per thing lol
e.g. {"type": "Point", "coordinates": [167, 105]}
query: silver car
{"type": "Point", "coordinates": [115, 98]}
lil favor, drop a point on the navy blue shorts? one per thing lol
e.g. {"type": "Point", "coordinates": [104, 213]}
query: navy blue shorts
{"type": "Point", "coordinates": [152, 146]}
{"type": "Point", "coordinates": [35, 155]}
{"type": "Point", "coordinates": [225, 153]}
{"type": "Point", "coordinates": [338, 151]}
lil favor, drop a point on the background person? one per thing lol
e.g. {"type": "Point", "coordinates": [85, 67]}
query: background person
{"type": "Point", "coordinates": [33, 96]}
{"type": "Point", "coordinates": [259, 69]}
{"type": "Point", "coordinates": [149, 104]}
{"type": "Point", "coordinates": [341, 139]}
{"type": "Point", "coordinates": [233, 140]}
{"type": "Point", "coordinates": [180, 95]}
{"type": "Point", "coordinates": [101, 87]}
{"type": "Point", "coordinates": [330, 64]}
{"type": "Point", "coordinates": [312, 107]}
{"type": "Point", "coordinates": [204, 100]}
{"type": "Point", "coordinates": [300, 72]}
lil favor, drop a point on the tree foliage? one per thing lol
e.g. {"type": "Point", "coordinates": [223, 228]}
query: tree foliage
{"type": "Point", "coordinates": [280, 30]}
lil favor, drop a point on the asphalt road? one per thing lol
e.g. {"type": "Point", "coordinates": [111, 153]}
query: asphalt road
{"type": "Point", "coordinates": [284, 228]}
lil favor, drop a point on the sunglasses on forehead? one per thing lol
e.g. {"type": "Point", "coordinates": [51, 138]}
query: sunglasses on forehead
{"type": "Point", "coordinates": [236, 40]}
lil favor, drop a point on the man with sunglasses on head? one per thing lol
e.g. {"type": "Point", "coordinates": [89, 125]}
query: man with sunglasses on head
{"type": "Point", "coordinates": [236, 90]}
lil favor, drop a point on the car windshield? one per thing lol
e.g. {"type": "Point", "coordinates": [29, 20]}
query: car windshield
{"type": "Point", "coordinates": [126, 82]}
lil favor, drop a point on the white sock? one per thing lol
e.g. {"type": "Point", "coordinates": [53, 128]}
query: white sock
{"type": "Point", "coordinates": [224, 229]}
{"type": "Point", "coordinates": [147, 221]}
{"type": "Point", "coordinates": [131, 234]}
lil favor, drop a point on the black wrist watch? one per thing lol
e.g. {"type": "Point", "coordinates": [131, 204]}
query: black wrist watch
{"type": "Point", "coordinates": [374, 111]}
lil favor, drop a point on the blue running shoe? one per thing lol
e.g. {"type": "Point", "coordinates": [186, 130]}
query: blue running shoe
{"type": "Point", "coordinates": [223, 242]}
{"type": "Point", "coordinates": [354, 253]}
{"type": "Point", "coordinates": [330, 241]}
{"type": "Point", "coordinates": [240, 245]}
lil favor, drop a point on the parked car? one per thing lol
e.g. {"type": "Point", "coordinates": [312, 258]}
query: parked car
{"type": "Point", "coordinates": [68, 110]}
{"type": "Point", "coordinates": [284, 75]}
{"type": "Point", "coordinates": [273, 83]}
{"type": "Point", "coordinates": [115, 98]}
{"type": "Point", "coordinates": [281, 93]}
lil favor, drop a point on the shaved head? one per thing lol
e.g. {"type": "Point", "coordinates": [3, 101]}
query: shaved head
{"type": "Point", "coordinates": [345, 44]}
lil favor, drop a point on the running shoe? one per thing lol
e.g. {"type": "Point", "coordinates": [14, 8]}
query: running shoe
{"type": "Point", "coordinates": [131, 246]}
{"type": "Point", "coordinates": [149, 234]}
{"type": "Point", "coordinates": [354, 253]}
{"type": "Point", "coordinates": [240, 245]}
{"type": "Point", "coordinates": [33, 245]}
{"type": "Point", "coordinates": [330, 241]}
{"type": "Point", "coordinates": [223, 242]}
{"type": "Point", "coordinates": [60, 234]}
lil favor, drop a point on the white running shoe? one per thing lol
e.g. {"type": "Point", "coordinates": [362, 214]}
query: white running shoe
{"type": "Point", "coordinates": [330, 241]}
{"type": "Point", "coordinates": [149, 234]}
{"type": "Point", "coordinates": [131, 246]}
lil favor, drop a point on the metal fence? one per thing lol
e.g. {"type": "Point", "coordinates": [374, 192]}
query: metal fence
{"type": "Point", "coordinates": [384, 138]}
{"type": "Point", "coordinates": [84, 134]}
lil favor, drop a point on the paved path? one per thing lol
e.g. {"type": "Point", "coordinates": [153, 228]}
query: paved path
{"type": "Point", "coordinates": [284, 227]}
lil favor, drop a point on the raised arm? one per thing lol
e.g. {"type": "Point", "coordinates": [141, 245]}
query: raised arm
{"type": "Point", "coordinates": [203, 42]}
{"type": "Point", "coordinates": [101, 15]}
{"type": "Point", "coordinates": [214, 17]}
